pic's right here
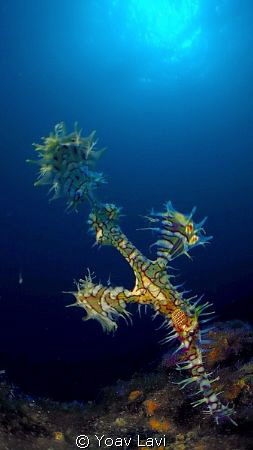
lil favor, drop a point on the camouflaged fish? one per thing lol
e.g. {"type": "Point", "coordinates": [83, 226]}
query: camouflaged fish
{"type": "Point", "coordinates": [65, 163]}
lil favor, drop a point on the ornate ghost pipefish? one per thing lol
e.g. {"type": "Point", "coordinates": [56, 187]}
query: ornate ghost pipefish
{"type": "Point", "coordinates": [66, 163]}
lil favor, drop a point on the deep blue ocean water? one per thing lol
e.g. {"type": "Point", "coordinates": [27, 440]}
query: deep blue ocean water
{"type": "Point", "coordinates": [168, 87]}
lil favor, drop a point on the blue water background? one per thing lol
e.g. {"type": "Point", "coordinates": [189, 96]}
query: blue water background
{"type": "Point", "coordinates": [178, 125]}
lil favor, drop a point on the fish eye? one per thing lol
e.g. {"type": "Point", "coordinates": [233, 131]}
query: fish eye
{"type": "Point", "coordinates": [189, 228]}
{"type": "Point", "coordinates": [193, 239]}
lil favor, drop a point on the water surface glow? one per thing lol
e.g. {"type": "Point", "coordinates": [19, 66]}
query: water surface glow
{"type": "Point", "coordinates": [162, 23]}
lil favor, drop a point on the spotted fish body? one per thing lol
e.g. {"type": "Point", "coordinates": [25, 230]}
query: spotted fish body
{"type": "Point", "coordinates": [69, 158]}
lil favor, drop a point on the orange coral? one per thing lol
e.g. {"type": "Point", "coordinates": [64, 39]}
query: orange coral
{"type": "Point", "coordinates": [159, 425]}
{"type": "Point", "coordinates": [58, 436]}
{"type": "Point", "coordinates": [151, 406]}
{"type": "Point", "coordinates": [228, 342]}
{"type": "Point", "coordinates": [217, 353]}
{"type": "Point", "coordinates": [134, 395]}
{"type": "Point", "coordinates": [161, 447]}
{"type": "Point", "coordinates": [235, 389]}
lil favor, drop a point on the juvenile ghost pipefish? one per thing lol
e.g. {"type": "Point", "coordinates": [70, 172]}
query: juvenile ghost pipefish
{"type": "Point", "coordinates": [66, 163]}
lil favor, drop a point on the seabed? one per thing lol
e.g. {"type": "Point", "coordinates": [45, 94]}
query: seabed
{"type": "Point", "coordinates": [147, 411]}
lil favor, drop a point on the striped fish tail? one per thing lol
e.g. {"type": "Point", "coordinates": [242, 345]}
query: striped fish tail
{"type": "Point", "coordinates": [209, 398]}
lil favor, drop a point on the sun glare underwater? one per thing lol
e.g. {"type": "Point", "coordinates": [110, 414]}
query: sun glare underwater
{"type": "Point", "coordinates": [169, 39]}
{"type": "Point", "coordinates": [162, 23]}
{"type": "Point", "coordinates": [118, 117]}
{"type": "Point", "coordinates": [170, 28]}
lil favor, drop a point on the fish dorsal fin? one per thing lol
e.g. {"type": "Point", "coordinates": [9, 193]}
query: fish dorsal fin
{"type": "Point", "coordinates": [177, 232]}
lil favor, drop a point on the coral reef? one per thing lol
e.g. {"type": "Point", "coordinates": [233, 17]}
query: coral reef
{"type": "Point", "coordinates": [147, 411]}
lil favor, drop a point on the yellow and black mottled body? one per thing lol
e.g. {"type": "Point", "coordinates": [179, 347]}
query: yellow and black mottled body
{"type": "Point", "coordinates": [66, 163]}
{"type": "Point", "coordinates": [177, 235]}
